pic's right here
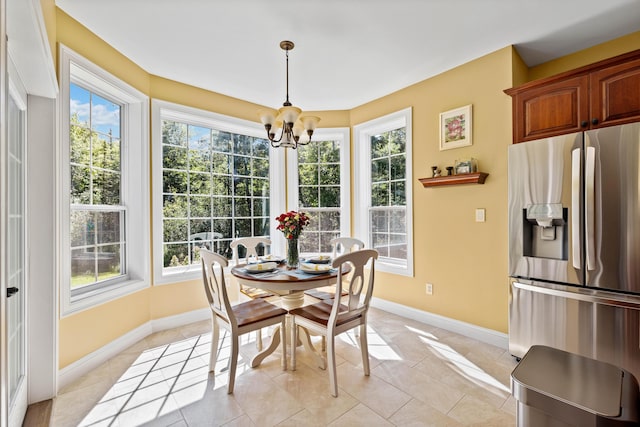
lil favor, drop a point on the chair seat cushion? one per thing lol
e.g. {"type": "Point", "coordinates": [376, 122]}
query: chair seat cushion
{"type": "Point", "coordinates": [255, 311]}
{"type": "Point", "coordinates": [320, 312]}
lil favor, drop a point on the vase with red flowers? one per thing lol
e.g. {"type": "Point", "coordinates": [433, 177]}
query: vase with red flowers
{"type": "Point", "coordinates": [291, 224]}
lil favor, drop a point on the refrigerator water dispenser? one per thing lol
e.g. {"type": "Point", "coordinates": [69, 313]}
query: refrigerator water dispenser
{"type": "Point", "coordinates": [545, 231]}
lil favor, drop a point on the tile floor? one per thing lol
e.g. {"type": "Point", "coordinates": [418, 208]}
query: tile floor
{"type": "Point", "coordinates": [420, 376]}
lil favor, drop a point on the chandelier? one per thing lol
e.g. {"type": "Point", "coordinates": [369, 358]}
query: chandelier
{"type": "Point", "coordinates": [287, 122]}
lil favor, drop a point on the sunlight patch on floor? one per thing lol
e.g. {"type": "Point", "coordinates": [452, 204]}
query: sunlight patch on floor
{"type": "Point", "coordinates": [460, 364]}
{"type": "Point", "coordinates": [378, 347]}
{"type": "Point", "coordinates": [146, 391]}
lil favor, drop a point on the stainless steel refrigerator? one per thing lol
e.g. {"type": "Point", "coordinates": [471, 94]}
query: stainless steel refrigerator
{"type": "Point", "coordinates": [574, 245]}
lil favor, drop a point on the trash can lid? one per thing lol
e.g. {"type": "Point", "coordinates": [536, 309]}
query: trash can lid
{"type": "Point", "coordinates": [575, 380]}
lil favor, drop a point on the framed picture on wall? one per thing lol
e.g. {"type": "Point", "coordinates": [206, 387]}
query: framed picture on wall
{"type": "Point", "coordinates": [455, 128]}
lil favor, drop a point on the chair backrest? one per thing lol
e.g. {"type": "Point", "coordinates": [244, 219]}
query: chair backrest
{"type": "Point", "coordinates": [214, 285]}
{"type": "Point", "coordinates": [354, 283]}
{"type": "Point", "coordinates": [344, 245]}
{"type": "Point", "coordinates": [251, 245]}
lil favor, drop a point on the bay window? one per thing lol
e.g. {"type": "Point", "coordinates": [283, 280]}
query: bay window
{"type": "Point", "coordinates": [319, 179]}
{"type": "Point", "coordinates": [383, 190]}
{"type": "Point", "coordinates": [214, 181]}
{"type": "Point", "coordinates": [103, 185]}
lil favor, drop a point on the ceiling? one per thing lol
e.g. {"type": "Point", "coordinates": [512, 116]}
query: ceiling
{"type": "Point", "coordinates": [347, 52]}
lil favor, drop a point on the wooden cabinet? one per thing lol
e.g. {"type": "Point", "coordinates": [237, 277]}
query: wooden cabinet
{"type": "Point", "coordinates": [603, 94]}
{"type": "Point", "coordinates": [615, 94]}
{"type": "Point", "coordinates": [552, 109]}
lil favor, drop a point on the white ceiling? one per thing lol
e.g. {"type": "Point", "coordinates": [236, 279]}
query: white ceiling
{"type": "Point", "coordinates": [348, 52]}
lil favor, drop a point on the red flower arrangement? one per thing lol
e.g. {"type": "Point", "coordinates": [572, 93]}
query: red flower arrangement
{"type": "Point", "coordinates": [292, 223]}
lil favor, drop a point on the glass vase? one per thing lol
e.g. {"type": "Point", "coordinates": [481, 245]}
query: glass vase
{"type": "Point", "coordinates": [292, 253]}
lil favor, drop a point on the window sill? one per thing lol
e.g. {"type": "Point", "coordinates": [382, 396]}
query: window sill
{"type": "Point", "coordinates": [92, 299]}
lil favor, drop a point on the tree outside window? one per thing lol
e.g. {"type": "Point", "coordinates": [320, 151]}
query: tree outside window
{"type": "Point", "coordinates": [215, 188]}
{"type": "Point", "coordinates": [97, 214]}
{"type": "Point", "coordinates": [319, 194]}
{"type": "Point", "coordinates": [383, 189]}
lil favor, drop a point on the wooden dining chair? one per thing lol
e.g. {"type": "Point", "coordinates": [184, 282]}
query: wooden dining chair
{"type": "Point", "coordinates": [251, 245]}
{"type": "Point", "coordinates": [237, 319]}
{"type": "Point", "coordinates": [339, 246]}
{"type": "Point", "coordinates": [330, 318]}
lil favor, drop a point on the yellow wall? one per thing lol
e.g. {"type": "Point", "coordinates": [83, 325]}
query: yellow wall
{"type": "Point", "coordinates": [587, 56]}
{"type": "Point", "coordinates": [466, 261]}
{"type": "Point", "coordinates": [520, 69]}
{"type": "Point", "coordinates": [89, 330]}
{"type": "Point", "coordinates": [75, 36]}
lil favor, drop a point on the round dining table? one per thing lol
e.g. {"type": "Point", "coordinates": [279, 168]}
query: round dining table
{"type": "Point", "coordinates": [290, 285]}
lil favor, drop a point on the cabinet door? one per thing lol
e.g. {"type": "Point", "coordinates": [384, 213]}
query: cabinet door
{"type": "Point", "coordinates": [550, 110]}
{"type": "Point", "coordinates": [615, 94]}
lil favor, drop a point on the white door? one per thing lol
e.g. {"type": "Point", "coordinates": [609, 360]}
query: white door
{"type": "Point", "coordinates": [15, 253]}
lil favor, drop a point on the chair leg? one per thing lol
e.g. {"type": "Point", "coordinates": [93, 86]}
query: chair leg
{"type": "Point", "coordinates": [283, 328]}
{"type": "Point", "coordinates": [294, 342]}
{"type": "Point", "coordinates": [364, 348]}
{"type": "Point", "coordinates": [331, 361]}
{"type": "Point", "coordinates": [233, 363]}
{"type": "Point", "coordinates": [215, 336]}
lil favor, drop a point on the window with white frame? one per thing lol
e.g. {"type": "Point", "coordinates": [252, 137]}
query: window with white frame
{"type": "Point", "coordinates": [104, 184]}
{"type": "Point", "coordinates": [320, 171]}
{"type": "Point", "coordinates": [383, 189]}
{"type": "Point", "coordinates": [212, 184]}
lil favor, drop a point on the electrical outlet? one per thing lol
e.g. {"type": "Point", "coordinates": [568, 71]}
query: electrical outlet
{"type": "Point", "coordinates": [480, 215]}
{"type": "Point", "coordinates": [429, 289]}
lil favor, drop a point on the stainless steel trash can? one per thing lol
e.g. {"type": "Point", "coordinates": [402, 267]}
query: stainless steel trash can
{"type": "Point", "coordinates": [555, 388]}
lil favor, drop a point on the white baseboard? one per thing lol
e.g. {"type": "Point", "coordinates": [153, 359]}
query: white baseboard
{"type": "Point", "coordinates": [91, 361]}
{"type": "Point", "coordinates": [182, 319]}
{"type": "Point", "coordinates": [81, 367]}
{"type": "Point", "coordinates": [77, 369]}
{"type": "Point", "coordinates": [479, 333]}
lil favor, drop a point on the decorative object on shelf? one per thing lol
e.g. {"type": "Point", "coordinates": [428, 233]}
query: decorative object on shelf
{"type": "Point", "coordinates": [464, 166]}
{"type": "Point", "coordinates": [449, 170]}
{"type": "Point", "coordinates": [467, 178]}
{"type": "Point", "coordinates": [435, 171]}
{"type": "Point", "coordinates": [455, 128]}
{"type": "Point", "coordinates": [287, 121]}
{"type": "Point", "coordinates": [291, 224]}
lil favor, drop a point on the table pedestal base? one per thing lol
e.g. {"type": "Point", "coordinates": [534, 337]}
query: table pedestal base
{"type": "Point", "coordinates": [289, 301]}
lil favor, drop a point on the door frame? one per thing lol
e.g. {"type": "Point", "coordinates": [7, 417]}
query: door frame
{"type": "Point", "coordinates": [4, 400]}
{"type": "Point", "coordinates": [17, 92]}
{"type": "Point", "coordinates": [35, 64]}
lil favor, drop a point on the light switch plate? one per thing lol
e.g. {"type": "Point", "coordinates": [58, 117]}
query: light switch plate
{"type": "Point", "coordinates": [479, 215]}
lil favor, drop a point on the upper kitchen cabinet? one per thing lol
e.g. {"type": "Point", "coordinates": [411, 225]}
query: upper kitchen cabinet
{"type": "Point", "coordinates": [615, 94]}
{"type": "Point", "coordinates": [602, 94]}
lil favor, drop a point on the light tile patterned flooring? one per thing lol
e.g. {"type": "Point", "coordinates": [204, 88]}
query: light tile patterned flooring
{"type": "Point", "coordinates": [420, 376]}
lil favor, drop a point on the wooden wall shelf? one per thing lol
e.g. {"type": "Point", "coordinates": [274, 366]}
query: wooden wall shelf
{"type": "Point", "coordinates": [467, 178]}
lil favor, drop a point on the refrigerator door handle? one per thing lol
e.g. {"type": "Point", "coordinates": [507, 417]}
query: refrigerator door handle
{"type": "Point", "coordinates": [575, 206]}
{"type": "Point", "coordinates": [589, 186]}
{"type": "Point", "coordinates": [615, 299]}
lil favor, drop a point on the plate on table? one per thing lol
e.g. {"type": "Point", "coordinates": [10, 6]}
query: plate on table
{"type": "Point", "coordinates": [263, 267]}
{"type": "Point", "coordinates": [271, 258]}
{"type": "Point", "coordinates": [315, 268]}
{"type": "Point", "coordinates": [320, 259]}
